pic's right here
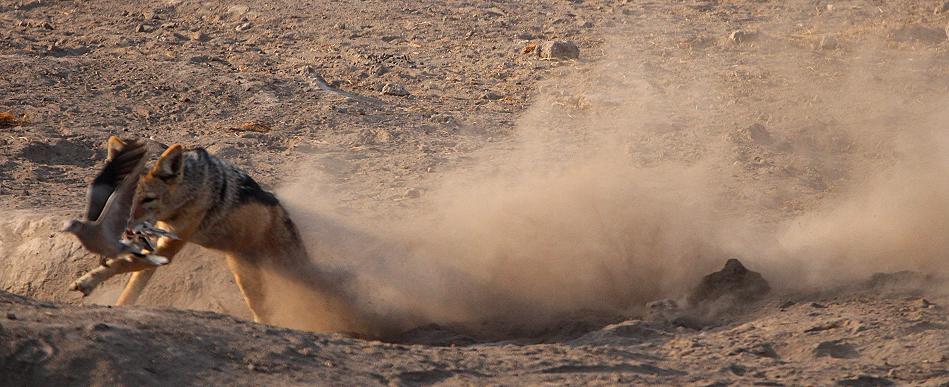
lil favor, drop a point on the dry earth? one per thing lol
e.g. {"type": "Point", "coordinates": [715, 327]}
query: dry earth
{"type": "Point", "coordinates": [791, 105]}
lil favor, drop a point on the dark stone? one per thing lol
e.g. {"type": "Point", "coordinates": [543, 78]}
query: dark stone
{"type": "Point", "coordinates": [837, 349]}
{"type": "Point", "coordinates": [734, 281]}
{"type": "Point", "coordinates": [865, 381]}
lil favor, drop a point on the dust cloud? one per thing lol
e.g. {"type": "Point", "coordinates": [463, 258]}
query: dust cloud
{"type": "Point", "coordinates": [616, 190]}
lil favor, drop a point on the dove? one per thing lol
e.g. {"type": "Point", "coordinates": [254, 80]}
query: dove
{"type": "Point", "coordinates": [109, 206]}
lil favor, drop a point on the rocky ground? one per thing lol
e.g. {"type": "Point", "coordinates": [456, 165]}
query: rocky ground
{"type": "Point", "coordinates": [787, 103]}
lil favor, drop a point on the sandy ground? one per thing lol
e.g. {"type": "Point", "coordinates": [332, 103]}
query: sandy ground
{"type": "Point", "coordinates": [819, 122]}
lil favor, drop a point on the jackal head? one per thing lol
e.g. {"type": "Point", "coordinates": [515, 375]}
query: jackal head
{"type": "Point", "coordinates": [159, 194]}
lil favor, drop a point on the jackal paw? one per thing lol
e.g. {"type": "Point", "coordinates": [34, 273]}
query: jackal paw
{"type": "Point", "coordinates": [80, 286]}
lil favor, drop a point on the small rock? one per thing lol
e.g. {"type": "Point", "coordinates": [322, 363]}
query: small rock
{"type": "Point", "coordinates": [169, 25]}
{"type": "Point", "coordinates": [828, 42]}
{"type": "Point", "coordinates": [11, 316]}
{"type": "Point", "coordinates": [532, 47]}
{"type": "Point", "coordinates": [492, 96]}
{"type": "Point", "coordinates": [739, 36]}
{"type": "Point", "coordinates": [391, 38]}
{"type": "Point", "coordinates": [662, 310]}
{"type": "Point", "coordinates": [759, 134]}
{"type": "Point", "coordinates": [394, 89]}
{"type": "Point", "coordinates": [690, 322]}
{"type": "Point", "coordinates": [243, 27]}
{"type": "Point", "coordinates": [47, 26]}
{"type": "Point", "coordinates": [255, 126]}
{"type": "Point", "coordinates": [764, 350]}
{"type": "Point", "coordinates": [198, 36]}
{"type": "Point", "coordinates": [737, 369]}
{"type": "Point", "coordinates": [825, 326]}
{"type": "Point", "coordinates": [99, 327]}
{"type": "Point", "coordinates": [413, 193]}
{"type": "Point", "coordinates": [378, 70]}
{"type": "Point", "coordinates": [818, 305]}
{"type": "Point", "coordinates": [144, 28]}
{"type": "Point", "coordinates": [925, 304]}
{"type": "Point", "coordinates": [941, 8]}
{"type": "Point", "coordinates": [559, 50]}
{"type": "Point", "coordinates": [734, 280]}
{"type": "Point", "coordinates": [584, 23]}
{"type": "Point", "coordinates": [341, 26]}
{"type": "Point", "coordinates": [837, 349]}
{"type": "Point", "coordinates": [865, 381]}
{"type": "Point", "coordinates": [786, 304]}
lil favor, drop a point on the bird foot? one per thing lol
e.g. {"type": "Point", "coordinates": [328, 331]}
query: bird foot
{"type": "Point", "coordinates": [155, 260]}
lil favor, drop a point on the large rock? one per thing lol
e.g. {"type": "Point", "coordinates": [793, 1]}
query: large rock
{"type": "Point", "coordinates": [734, 282]}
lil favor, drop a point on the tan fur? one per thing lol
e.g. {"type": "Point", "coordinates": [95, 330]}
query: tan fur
{"type": "Point", "coordinates": [113, 147]}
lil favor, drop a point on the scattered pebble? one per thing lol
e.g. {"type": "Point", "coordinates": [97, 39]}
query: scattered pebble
{"type": "Point", "coordinates": [865, 381]}
{"type": "Point", "coordinates": [413, 193]}
{"type": "Point", "coordinates": [764, 350]}
{"type": "Point", "coordinates": [99, 327]}
{"type": "Point", "coordinates": [818, 305]}
{"type": "Point", "coordinates": [737, 369]}
{"type": "Point", "coordinates": [198, 36]}
{"type": "Point", "coordinates": [786, 304]}
{"type": "Point", "coordinates": [559, 50]}
{"type": "Point", "coordinates": [11, 316]}
{"type": "Point", "coordinates": [828, 42]}
{"type": "Point", "coordinates": [941, 8]}
{"type": "Point", "coordinates": [394, 89]}
{"type": "Point", "coordinates": [492, 96]}
{"type": "Point", "coordinates": [144, 28]}
{"type": "Point", "coordinates": [739, 36]}
{"type": "Point", "coordinates": [837, 349]}
{"type": "Point", "coordinates": [759, 134]}
{"type": "Point", "coordinates": [243, 27]}
{"type": "Point", "coordinates": [825, 326]}
{"type": "Point", "coordinates": [255, 126]}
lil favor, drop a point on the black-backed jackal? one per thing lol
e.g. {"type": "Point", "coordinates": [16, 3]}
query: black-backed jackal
{"type": "Point", "coordinates": [212, 203]}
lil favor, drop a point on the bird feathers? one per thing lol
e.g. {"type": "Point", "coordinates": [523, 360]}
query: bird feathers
{"type": "Point", "coordinates": [125, 163]}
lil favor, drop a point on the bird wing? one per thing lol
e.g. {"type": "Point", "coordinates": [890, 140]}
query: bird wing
{"type": "Point", "coordinates": [127, 161]}
{"type": "Point", "coordinates": [115, 213]}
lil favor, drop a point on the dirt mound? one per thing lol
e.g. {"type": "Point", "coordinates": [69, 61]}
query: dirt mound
{"type": "Point", "coordinates": [39, 261]}
{"type": "Point", "coordinates": [44, 342]}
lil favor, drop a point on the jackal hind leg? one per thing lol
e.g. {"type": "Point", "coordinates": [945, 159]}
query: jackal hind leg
{"type": "Point", "coordinates": [249, 279]}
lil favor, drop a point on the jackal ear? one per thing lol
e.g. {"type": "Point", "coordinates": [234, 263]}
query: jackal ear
{"type": "Point", "coordinates": [170, 165]}
{"type": "Point", "coordinates": [114, 146]}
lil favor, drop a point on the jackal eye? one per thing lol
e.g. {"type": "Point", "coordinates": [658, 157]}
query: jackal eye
{"type": "Point", "coordinates": [147, 199]}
